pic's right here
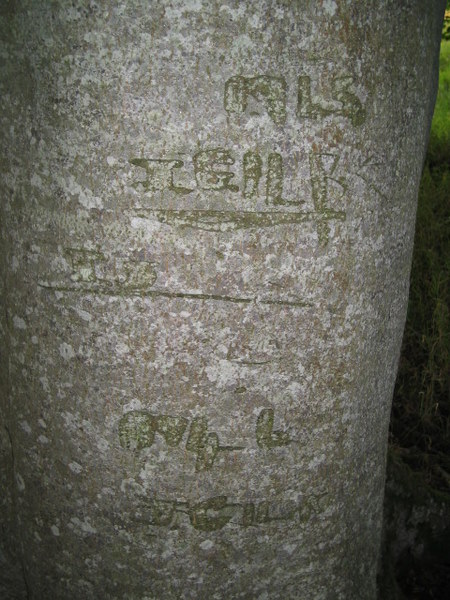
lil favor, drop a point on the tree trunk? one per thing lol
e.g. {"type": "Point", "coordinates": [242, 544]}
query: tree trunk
{"type": "Point", "coordinates": [208, 215]}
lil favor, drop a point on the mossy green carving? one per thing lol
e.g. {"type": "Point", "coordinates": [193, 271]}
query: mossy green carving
{"type": "Point", "coordinates": [341, 92]}
{"type": "Point", "coordinates": [267, 89]}
{"type": "Point", "coordinates": [211, 514]}
{"type": "Point", "coordinates": [252, 167]}
{"type": "Point", "coordinates": [204, 444]}
{"type": "Point", "coordinates": [159, 174]}
{"type": "Point", "coordinates": [265, 436]}
{"type": "Point", "coordinates": [211, 170]}
{"type": "Point", "coordinates": [137, 429]}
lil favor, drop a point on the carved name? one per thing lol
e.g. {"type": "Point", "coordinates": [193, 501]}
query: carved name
{"type": "Point", "coordinates": [137, 430]}
{"type": "Point", "coordinates": [212, 172]}
{"type": "Point", "coordinates": [271, 93]}
{"type": "Point", "coordinates": [217, 512]}
{"type": "Point", "coordinates": [212, 166]}
{"type": "Point", "coordinates": [92, 270]}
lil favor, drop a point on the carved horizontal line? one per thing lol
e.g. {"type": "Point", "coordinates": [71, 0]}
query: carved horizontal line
{"type": "Point", "coordinates": [220, 220]}
{"type": "Point", "coordinates": [173, 295]}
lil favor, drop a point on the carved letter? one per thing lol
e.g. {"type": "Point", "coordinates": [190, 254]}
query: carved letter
{"type": "Point", "coordinates": [252, 166]}
{"type": "Point", "coordinates": [351, 104]}
{"type": "Point", "coordinates": [83, 264]}
{"type": "Point", "coordinates": [171, 428]}
{"type": "Point", "coordinates": [274, 188]}
{"type": "Point", "coordinates": [275, 178]}
{"type": "Point", "coordinates": [255, 514]}
{"type": "Point", "coordinates": [206, 175]}
{"type": "Point", "coordinates": [270, 91]}
{"type": "Point", "coordinates": [305, 107]}
{"type": "Point", "coordinates": [137, 430]}
{"type": "Point", "coordinates": [139, 275]}
{"type": "Point", "coordinates": [162, 512]}
{"type": "Point", "coordinates": [341, 93]}
{"type": "Point", "coordinates": [204, 444]}
{"type": "Point", "coordinates": [322, 168]}
{"type": "Point", "coordinates": [212, 514]}
{"type": "Point", "coordinates": [159, 174]}
{"type": "Point", "coordinates": [265, 436]}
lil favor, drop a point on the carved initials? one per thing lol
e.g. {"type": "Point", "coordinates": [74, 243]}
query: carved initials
{"type": "Point", "coordinates": [159, 174]}
{"type": "Point", "coordinates": [341, 93]}
{"type": "Point", "coordinates": [207, 175]}
{"type": "Point", "coordinates": [271, 93]}
{"type": "Point", "coordinates": [137, 430]}
{"type": "Point", "coordinates": [214, 513]}
{"type": "Point", "coordinates": [265, 89]}
{"type": "Point", "coordinates": [93, 270]}
{"type": "Point", "coordinates": [265, 436]}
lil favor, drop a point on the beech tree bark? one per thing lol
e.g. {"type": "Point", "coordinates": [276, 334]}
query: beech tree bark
{"type": "Point", "coordinates": [207, 223]}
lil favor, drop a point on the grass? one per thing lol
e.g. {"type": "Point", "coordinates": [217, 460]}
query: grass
{"type": "Point", "coordinates": [439, 147]}
{"type": "Point", "coordinates": [419, 453]}
{"type": "Point", "coordinates": [420, 422]}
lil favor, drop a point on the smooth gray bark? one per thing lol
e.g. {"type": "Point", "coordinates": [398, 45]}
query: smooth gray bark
{"type": "Point", "coordinates": [207, 222]}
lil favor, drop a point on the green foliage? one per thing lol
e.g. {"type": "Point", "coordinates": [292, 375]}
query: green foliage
{"type": "Point", "coordinates": [421, 410]}
{"type": "Point", "coordinates": [439, 148]}
{"type": "Point", "coordinates": [446, 27]}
